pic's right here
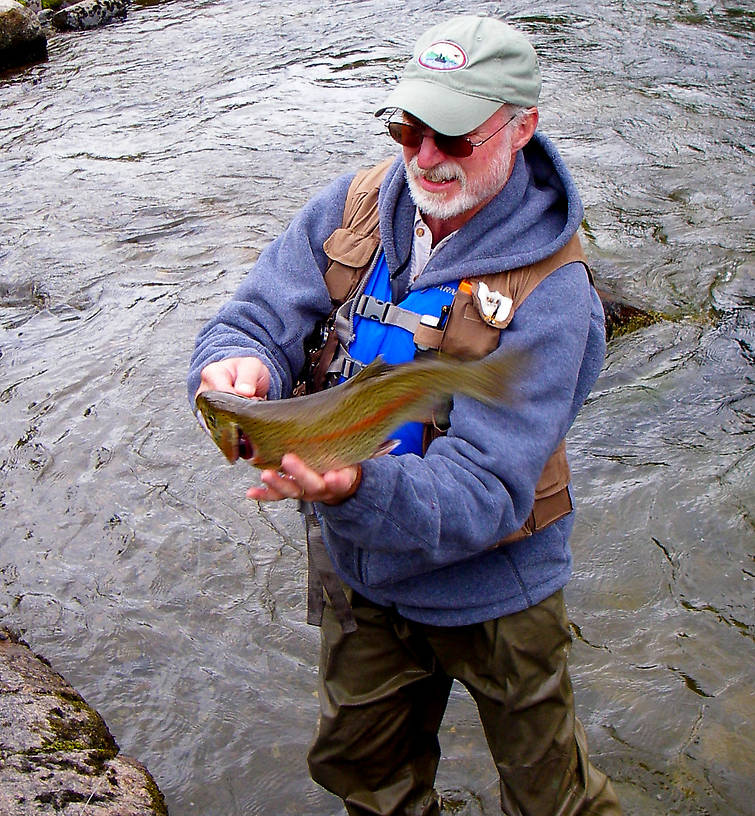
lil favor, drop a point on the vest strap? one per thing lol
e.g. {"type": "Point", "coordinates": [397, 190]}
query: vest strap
{"type": "Point", "coordinates": [386, 312]}
{"type": "Point", "coordinates": [320, 575]}
{"type": "Point", "coordinates": [352, 246]}
{"type": "Point", "coordinates": [344, 365]}
{"type": "Point", "coordinates": [552, 497]}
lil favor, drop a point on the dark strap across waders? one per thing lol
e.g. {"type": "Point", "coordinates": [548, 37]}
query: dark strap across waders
{"type": "Point", "coordinates": [320, 575]}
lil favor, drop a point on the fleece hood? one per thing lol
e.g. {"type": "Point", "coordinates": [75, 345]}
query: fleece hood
{"type": "Point", "coordinates": [533, 216]}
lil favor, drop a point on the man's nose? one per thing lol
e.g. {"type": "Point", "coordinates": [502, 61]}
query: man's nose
{"type": "Point", "coordinates": [428, 154]}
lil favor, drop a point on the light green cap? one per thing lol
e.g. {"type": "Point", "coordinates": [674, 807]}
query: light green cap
{"type": "Point", "coordinates": [463, 70]}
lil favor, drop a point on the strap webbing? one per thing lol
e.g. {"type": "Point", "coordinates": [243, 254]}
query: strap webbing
{"type": "Point", "coordinates": [387, 313]}
{"type": "Point", "coordinates": [320, 575]}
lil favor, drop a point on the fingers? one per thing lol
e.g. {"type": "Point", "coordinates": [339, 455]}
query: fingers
{"type": "Point", "coordinates": [297, 481]}
{"type": "Point", "coordinates": [245, 376]}
{"type": "Point", "coordinates": [342, 484]}
{"type": "Point", "coordinates": [276, 486]}
{"type": "Point", "coordinates": [252, 377]}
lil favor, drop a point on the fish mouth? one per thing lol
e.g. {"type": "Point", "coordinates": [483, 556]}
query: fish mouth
{"type": "Point", "coordinates": [245, 447]}
{"type": "Point", "coordinates": [235, 444]}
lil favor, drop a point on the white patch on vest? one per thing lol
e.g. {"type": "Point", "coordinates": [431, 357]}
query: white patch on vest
{"type": "Point", "coordinates": [494, 307]}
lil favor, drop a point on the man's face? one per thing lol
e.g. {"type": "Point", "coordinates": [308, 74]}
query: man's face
{"type": "Point", "coordinates": [446, 187]}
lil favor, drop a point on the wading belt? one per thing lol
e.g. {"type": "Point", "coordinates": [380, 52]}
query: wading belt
{"type": "Point", "coordinates": [481, 309]}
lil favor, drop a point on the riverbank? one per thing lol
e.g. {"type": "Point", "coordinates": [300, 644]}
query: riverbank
{"type": "Point", "coordinates": [25, 25]}
{"type": "Point", "coordinates": [57, 755]}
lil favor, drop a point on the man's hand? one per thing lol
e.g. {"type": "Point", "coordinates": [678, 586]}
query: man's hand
{"type": "Point", "coordinates": [297, 481]}
{"type": "Point", "coordinates": [245, 376]}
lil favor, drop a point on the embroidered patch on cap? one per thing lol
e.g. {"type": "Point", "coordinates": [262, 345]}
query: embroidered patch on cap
{"type": "Point", "coordinates": [443, 56]}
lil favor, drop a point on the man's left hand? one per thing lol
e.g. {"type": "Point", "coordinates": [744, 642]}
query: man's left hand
{"type": "Point", "coordinates": [295, 480]}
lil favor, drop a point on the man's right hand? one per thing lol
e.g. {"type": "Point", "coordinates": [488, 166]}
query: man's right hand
{"type": "Point", "coordinates": [245, 376]}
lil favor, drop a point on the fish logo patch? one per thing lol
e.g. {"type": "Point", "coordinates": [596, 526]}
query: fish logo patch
{"type": "Point", "coordinates": [443, 56]}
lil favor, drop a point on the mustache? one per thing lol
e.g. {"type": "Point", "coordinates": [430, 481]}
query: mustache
{"type": "Point", "coordinates": [446, 171]}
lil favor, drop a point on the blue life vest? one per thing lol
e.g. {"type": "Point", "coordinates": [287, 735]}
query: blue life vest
{"type": "Point", "coordinates": [393, 343]}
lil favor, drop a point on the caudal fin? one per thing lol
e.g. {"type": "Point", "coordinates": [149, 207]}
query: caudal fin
{"type": "Point", "coordinates": [492, 379]}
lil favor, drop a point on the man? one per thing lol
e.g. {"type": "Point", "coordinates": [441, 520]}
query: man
{"type": "Point", "coordinates": [450, 571]}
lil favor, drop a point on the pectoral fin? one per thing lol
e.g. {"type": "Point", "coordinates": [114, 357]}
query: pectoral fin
{"type": "Point", "coordinates": [386, 447]}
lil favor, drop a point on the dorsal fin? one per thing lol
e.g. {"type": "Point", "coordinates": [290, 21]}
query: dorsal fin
{"type": "Point", "coordinates": [376, 368]}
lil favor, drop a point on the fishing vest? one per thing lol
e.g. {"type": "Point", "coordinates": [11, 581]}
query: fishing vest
{"type": "Point", "coordinates": [470, 329]}
{"type": "Point", "coordinates": [369, 326]}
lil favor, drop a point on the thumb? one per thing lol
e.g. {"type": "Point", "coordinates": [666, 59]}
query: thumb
{"type": "Point", "coordinates": [252, 377]}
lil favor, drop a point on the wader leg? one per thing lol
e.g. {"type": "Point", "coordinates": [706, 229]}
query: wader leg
{"type": "Point", "coordinates": [515, 669]}
{"type": "Point", "coordinates": [381, 704]}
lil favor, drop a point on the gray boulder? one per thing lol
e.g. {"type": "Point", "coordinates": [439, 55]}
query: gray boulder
{"type": "Point", "coordinates": [57, 756]}
{"type": "Point", "coordinates": [22, 40]}
{"type": "Point", "coordinates": [89, 14]}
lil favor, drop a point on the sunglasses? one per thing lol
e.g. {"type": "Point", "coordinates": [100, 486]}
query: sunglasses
{"type": "Point", "coordinates": [459, 147]}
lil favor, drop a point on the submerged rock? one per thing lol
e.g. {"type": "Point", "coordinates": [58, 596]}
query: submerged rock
{"type": "Point", "coordinates": [57, 756]}
{"type": "Point", "coordinates": [622, 317]}
{"type": "Point", "coordinates": [22, 39]}
{"type": "Point", "coordinates": [89, 14]}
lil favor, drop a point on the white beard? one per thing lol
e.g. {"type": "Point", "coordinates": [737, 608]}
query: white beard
{"type": "Point", "coordinates": [438, 205]}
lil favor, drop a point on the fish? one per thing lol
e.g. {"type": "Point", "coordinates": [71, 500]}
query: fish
{"type": "Point", "coordinates": [351, 422]}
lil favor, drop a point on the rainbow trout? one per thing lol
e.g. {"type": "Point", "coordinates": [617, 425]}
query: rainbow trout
{"type": "Point", "coordinates": [350, 422]}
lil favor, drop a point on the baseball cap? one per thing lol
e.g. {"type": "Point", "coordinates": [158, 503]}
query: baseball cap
{"type": "Point", "coordinates": [463, 70]}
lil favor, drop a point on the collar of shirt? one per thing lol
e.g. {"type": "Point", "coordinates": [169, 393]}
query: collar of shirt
{"type": "Point", "coordinates": [422, 246]}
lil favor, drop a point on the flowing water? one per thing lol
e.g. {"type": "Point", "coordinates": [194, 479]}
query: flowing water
{"type": "Point", "coordinates": [144, 167]}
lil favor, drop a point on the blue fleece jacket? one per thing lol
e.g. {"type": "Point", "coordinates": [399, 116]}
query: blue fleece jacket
{"type": "Point", "coordinates": [417, 534]}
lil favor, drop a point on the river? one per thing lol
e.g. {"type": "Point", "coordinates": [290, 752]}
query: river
{"type": "Point", "coordinates": [144, 167]}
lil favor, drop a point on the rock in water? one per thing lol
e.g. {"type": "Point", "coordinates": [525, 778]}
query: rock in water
{"type": "Point", "coordinates": [89, 14]}
{"type": "Point", "coordinates": [623, 318]}
{"type": "Point", "coordinates": [56, 753]}
{"type": "Point", "coordinates": [22, 39]}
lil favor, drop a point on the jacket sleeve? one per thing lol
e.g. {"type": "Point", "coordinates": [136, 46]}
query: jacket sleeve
{"type": "Point", "coordinates": [280, 299]}
{"type": "Point", "coordinates": [412, 514]}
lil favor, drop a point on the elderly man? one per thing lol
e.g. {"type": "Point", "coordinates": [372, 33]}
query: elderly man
{"type": "Point", "coordinates": [449, 557]}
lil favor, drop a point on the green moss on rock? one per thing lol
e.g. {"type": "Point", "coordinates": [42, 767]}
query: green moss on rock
{"type": "Point", "coordinates": [90, 732]}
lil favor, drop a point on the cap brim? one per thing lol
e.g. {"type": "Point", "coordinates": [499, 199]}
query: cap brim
{"type": "Point", "coordinates": [444, 110]}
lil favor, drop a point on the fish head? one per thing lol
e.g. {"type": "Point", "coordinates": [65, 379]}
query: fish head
{"type": "Point", "coordinates": [223, 429]}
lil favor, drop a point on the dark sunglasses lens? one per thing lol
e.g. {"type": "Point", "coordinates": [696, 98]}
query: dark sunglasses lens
{"type": "Point", "coordinates": [457, 146]}
{"type": "Point", "coordinates": [405, 135]}
{"type": "Point", "coordinates": [411, 136]}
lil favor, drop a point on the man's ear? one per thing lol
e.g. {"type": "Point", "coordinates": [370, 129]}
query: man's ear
{"type": "Point", "coordinates": [525, 128]}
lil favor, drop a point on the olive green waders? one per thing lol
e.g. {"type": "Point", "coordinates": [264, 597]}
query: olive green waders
{"type": "Point", "coordinates": [384, 689]}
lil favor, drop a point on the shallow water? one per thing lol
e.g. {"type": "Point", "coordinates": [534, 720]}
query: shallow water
{"type": "Point", "coordinates": [145, 166]}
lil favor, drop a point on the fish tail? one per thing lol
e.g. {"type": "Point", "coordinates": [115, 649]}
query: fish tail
{"type": "Point", "coordinates": [491, 379]}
